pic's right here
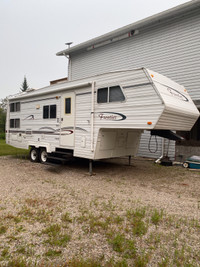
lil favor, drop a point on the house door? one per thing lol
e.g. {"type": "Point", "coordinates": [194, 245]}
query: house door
{"type": "Point", "coordinates": [67, 119]}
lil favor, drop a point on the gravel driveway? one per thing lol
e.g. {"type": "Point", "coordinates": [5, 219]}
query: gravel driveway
{"type": "Point", "coordinates": [138, 215]}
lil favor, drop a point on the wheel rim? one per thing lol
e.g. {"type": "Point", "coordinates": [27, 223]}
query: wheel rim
{"type": "Point", "coordinates": [185, 165]}
{"type": "Point", "coordinates": [33, 154]}
{"type": "Point", "coordinates": [43, 156]}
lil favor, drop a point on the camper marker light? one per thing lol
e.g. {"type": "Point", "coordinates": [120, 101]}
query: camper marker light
{"type": "Point", "coordinates": [149, 123]}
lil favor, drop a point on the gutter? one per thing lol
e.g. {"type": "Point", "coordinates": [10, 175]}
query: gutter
{"type": "Point", "coordinates": [162, 16]}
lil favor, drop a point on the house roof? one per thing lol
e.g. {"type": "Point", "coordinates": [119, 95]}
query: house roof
{"type": "Point", "coordinates": [162, 16]}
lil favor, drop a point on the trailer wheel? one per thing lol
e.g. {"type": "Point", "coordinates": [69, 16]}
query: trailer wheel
{"type": "Point", "coordinates": [185, 165]}
{"type": "Point", "coordinates": [43, 155]}
{"type": "Point", "coordinates": [34, 154]}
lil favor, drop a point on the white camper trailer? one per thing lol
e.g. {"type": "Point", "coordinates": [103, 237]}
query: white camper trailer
{"type": "Point", "coordinates": [98, 117]}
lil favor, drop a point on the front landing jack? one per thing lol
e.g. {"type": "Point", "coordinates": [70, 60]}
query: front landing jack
{"type": "Point", "coordinates": [90, 166]}
{"type": "Point", "coordinates": [129, 160]}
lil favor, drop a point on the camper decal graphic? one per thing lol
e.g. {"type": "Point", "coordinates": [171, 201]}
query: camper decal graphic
{"type": "Point", "coordinates": [66, 132]}
{"type": "Point", "coordinates": [177, 94]}
{"type": "Point", "coordinates": [111, 116]}
{"type": "Point", "coordinates": [72, 128]}
{"type": "Point", "coordinates": [30, 117]}
{"type": "Point", "coordinates": [62, 131]}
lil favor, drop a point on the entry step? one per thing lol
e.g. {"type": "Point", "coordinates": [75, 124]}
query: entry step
{"type": "Point", "coordinates": [52, 164]}
{"type": "Point", "coordinates": [57, 160]}
{"type": "Point", "coordinates": [66, 154]}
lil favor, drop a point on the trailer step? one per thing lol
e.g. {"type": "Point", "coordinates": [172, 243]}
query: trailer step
{"type": "Point", "coordinates": [57, 160]}
{"type": "Point", "coordinates": [52, 164]}
{"type": "Point", "coordinates": [67, 154]}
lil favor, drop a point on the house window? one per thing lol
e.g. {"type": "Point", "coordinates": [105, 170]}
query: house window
{"type": "Point", "coordinates": [68, 105]}
{"type": "Point", "coordinates": [49, 112]}
{"type": "Point", "coordinates": [14, 123]}
{"type": "Point", "coordinates": [14, 107]}
{"type": "Point", "coordinates": [110, 94]}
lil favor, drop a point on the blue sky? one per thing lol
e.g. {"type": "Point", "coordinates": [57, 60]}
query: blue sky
{"type": "Point", "coordinates": [33, 31]}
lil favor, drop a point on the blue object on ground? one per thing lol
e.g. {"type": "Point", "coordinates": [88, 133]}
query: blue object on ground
{"type": "Point", "coordinates": [192, 162]}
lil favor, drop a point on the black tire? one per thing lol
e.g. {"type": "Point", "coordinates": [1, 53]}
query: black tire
{"type": "Point", "coordinates": [34, 154]}
{"type": "Point", "coordinates": [43, 155]}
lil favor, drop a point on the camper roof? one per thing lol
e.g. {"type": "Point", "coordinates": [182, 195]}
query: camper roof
{"type": "Point", "coordinates": [58, 87]}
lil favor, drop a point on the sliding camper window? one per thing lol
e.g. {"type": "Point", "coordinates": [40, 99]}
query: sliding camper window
{"type": "Point", "coordinates": [14, 107]}
{"type": "Point", "coordinates": [49, 112]}
{"type": "Point", "coordinates": [68, 105]}
{"type": "Point", "coordinates": [110, 94]}
{"type": "Point", "coordinates": [14, 123]}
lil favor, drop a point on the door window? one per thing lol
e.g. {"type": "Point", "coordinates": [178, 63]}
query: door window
{"type": "Point", "coordinates": [68, 105]}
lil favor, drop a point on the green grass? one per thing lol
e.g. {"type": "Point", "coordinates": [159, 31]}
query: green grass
{"type": "Point", "coordinates": [10, 150]}
{"type": "Point", "coordinates": [123, 245]}
{"type": "Point", "coordinates": [53, 253]}
{"type": "Point", "coordinates": [55, 237]}
{"type": "Point", "coordinates": [156, 217]}
{"type": "Point", "coordinates": [3, 229]}
{"type": "Point", "coordinates": [66, 218]}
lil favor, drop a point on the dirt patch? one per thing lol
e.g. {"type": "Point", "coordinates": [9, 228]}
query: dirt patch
{"type": "Point", "coordinates": [141, 215]}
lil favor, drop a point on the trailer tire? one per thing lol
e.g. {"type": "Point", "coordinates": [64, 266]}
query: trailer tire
{"type": "Point", "coordinates": [185, 165]}
{"type": "Point", "coordinates": [43, 155]}
{"type": "Point", "coordinates": [34, 154]}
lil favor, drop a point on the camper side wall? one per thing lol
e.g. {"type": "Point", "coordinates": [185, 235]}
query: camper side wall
{"type": "Point", "coordinates": [125, 102]}
{"type": "Point", "coordinates": [35, 122]}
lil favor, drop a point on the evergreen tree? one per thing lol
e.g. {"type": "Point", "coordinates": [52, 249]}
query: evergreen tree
{"type": "Point", "coordinates": [3, 106]}
{"type": "Point", "coordinates": [24, 86]}
{"type": "Point", "coordinates": [2, 120]}
{"type": "Point", "coordinates": [3, 103]}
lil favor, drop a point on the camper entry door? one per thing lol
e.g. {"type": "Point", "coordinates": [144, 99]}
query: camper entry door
{"type": "Point", "coordinates": [67, 119]}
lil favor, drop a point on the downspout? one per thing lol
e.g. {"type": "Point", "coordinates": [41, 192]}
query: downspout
{"type": "Point", "coordinates": [69, 68]}
{"type": "Point", "coordinates": [92, 118]}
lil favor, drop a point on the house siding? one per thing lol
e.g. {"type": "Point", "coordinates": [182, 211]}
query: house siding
{"type": "Point", "coordinates": [171, 48]}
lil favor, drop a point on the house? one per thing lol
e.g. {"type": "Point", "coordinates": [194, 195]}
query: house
{"type": "Point", "coordinates": [169, 43]}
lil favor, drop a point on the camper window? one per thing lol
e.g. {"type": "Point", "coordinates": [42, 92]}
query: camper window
{"type": "Point", "coordinates": [52, 111]}
{"type": "Point", "coordinates": [14, 123]}
{"type": "Point", "coordinates": [102, 96]}
{"type": "Point", "coordinates": [45, 112]}
{"type": "Point", "coordinates": [67, 105]}
{"type": "Point", "coordinates": [15, 107]}
{"type": "Point", "coordinates": [12, 107]}
{"type": "Point", "coordinates": [49, 112]}
{"type": "Point", "coordinates": [116, 94]}
{"type": "Point", "coordinates": [110, 94]}
{"type": "Point", "coordinates": [17, 123]}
